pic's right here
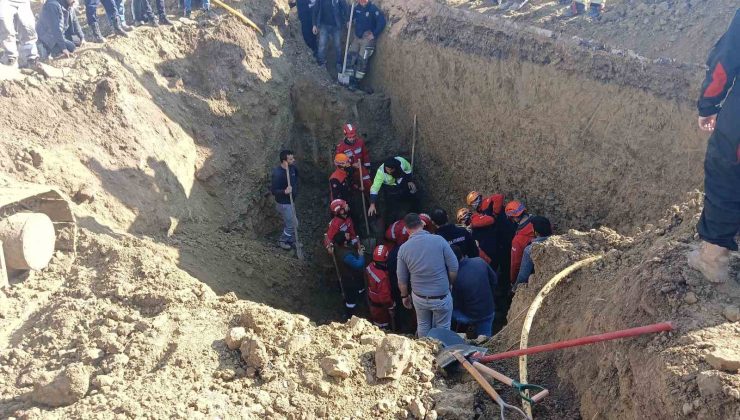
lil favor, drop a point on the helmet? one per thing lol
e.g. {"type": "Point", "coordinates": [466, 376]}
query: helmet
{"type": "Point", "coordinates": [463, 215]}
{"type": "Point", "coordinates": [350, 131]}
{"type": "Point", "coordinates": [337, 205]}
{"type": "Point", "coordinates": [341, 160]}
{"type": "Point", "coordinates": [426, 219]}
{"type": "Point", "coordinates": [380, 253]}
{"type": "Point", "coordinates": [515, 208]}
{"type": "Point", "coordinates": [473, 197]}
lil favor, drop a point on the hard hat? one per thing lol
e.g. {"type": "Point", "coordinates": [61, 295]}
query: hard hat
{"type": "Point", "coordinates": [337, 205]}
{"type": "Point", "coordinates": [380, 253]}
{"type": "Point", "coordinates": [341, 159]}
{"type": "Point", "coordinates": [515, 208]}
{"type": "Point", "coordinates": [426, 219]}
{"type": "Point", "coordinates": [472, 197]}
{"type": "Point", "coordinates": [463, 215]}
{"type": "Point", "coordinates": [350, 131]}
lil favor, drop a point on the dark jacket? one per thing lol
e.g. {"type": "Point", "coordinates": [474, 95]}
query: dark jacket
{"type": "Point", "coordinates": [330, 13]}
{"type": "Point", "coordinates": [473, 291]}
{"type": "Point", "coordinates": [279, 182]}
{"type": "Point", "coordinates": [724, 67]}
{"type": "Point", "coordinates": [455, 235]}
{"type": "Point", "coordinates": [368, 18]}
{"type": "Point", "coordinates": [54, 20]}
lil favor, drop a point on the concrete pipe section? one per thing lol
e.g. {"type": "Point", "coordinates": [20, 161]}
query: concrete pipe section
{"type": "Point", "coordinates": [28, 240]}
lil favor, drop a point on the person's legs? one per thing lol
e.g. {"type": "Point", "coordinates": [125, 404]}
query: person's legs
{"type": "Point", "coordinates": [7, 31]}
{"type": "Point", "coordinates": [338, 50]}
{"type": "Point", "coordinates": [324, 33]}
{"type": "Point", "coordinates": [187, 7]}
{"type": "Point", "coordinates": [365, 51]}
{"type": "Point", "coordinates": [484, 326]}
{"type": "Point", "coordinates": [424, 315]}
{"type": "Point", "coordinates": [206, 5]}
{"type": "Point", "coordinates": [27, 32]}
{"type": "Point", "coordinates": [286, 212]}
{"type": "Point", "coordinates": [442, 312]}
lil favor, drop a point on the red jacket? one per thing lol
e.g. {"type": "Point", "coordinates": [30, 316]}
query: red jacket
{"type": "Point", "coordinates": [378, 286]}
{"type": "Point", "coordinates": [355, 151]}
{"type": "Point", "coordinates": [524, 236]}
{"type": "Point", "coordinates": [492, 206]}
{"type": "Point", "coordinates": [338, 224]}
{"type": "Point", "coordinates": [366, 181]}
{"type": "Point", "coordinates": [397, 232]}
{"type": "Point", "coordinates": [339, 185]}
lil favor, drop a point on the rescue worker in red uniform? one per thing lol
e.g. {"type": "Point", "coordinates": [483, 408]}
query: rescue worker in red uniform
{"type": "Point", "coordinates": [354, 147]}
{"type": "Point", "coordinates": [341, 222]}
{"type": "Point", "coordinates": [350, 262]}
{"type": "Point", "coordinates": [382, 306]}
{"type": "Point", "coordinates": [516, 211]}
{"type": "Point", "coordinates": [397, 234]}
{"type": "Point", "coordinates": [339, 181]}
{"type": "Point", "coordinates": [503, 229]}
{"type": "Point", "coordinates": [482, 231]}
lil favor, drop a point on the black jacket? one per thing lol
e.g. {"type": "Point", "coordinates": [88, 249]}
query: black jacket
{"type": "Point", "coordinates": [54, 21]}
{"type": "Point", "coordinates": [279, 182]}
{"type": "Point", "coordinates": [455, 235]}
{"type": "Point", "coordinates": [331, 13]}
{"type": "Point", "coordinates": [724, 67]}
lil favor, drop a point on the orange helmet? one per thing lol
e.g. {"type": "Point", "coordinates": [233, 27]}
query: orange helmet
{"type": "Point", "coordinates": [337, 205]}
{"type": "Point", "coordinates": [380, 253]}
{"type": "Point", "coordinates": [515, 208]}
{"type": "Point", "coordinates": [341, 160]}
{"type": "Point", "coordinates": [473, 197]}
{"type": "Point", "coordinates": [463, 215]}
{"type": "Point", "coordinates": [350, 131]}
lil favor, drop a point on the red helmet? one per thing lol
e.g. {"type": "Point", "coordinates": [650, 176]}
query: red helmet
{"type": "Point", "coordinates": [337, 205]}
{"type": "Point", "coordinates": [426, 219]}
{"type": "Point", "coordinates": [350, 131]}
{"type": "Point", "coordinates": [515, 208]}
{"type": "Point", "coordinates": [380, 253]}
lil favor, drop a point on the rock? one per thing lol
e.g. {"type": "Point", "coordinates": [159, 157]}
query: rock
{"type": "Point", "coordinates": [709, 384]}
{"type": "Point", "coordinates": [69, 386]}
{"type": "Point", "coordinates": [724, 359]}
{"type": "Point", "coordinates": [426, 375]}
{"type": "Point", "coordinates": [690, 298]}
{"type": "Point", "coordinates": [86, 194]}
{"type": "Point", "coordinates": [336, 366]}
{"type": "Point", "coordinates": [36, 158]}
{"type": "Point", "coordinates": [687, 408]}
{"type": "Point", "coordinates": [431, 415]}
{"type": "Point", "coordinates": [103, 380]}
{"type": "Point", "coordinates": [234, 337]}
{"type": "Point", "coordinates": [416, 407]}
{"type": "Point", "coordinates": [297, 342]}
{"type": "Point", "coordinates": [455, 405]}
{"type": "Point", "coordinates": [94, 353]}
{"type": "Point", "coordinates": [384, 406]}
{"type": "Point", "coordinates": [392, 356]}
{"type": "Point", "coordinates": [732, 313]}
{"type": "Point", "coordinates": [253, 352]}
{"type": "Point", "coordinates": [358, 326]}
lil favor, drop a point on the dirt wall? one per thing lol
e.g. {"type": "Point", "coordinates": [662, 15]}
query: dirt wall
{"type": "Point", "coordinates": [584, 135]}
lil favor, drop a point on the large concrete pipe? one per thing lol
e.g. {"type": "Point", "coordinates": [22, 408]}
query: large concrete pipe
{"type": "Point", "coordinates": [28, 240]}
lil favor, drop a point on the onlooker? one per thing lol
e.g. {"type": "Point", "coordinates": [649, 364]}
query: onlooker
{"type": "Point", "coordinates": [329, 18]}
{"type": "Point", "coordinates": [188, 5]}
{"type": "Point", "coordinates": [542, 230]}
{"type": "Point", "coordinates": [427, 263]}
{"type": "Point", "coordinates": [281, 190]}
{"type": "Point", "coordinates": [369, 23]}
{"type": "Point", "coordinates": [59, 29]}
{"type": "Point", "coordinates": [143, 12]}
{"type": "Point", "coordinates": [350, 263]}
{"type": "Point", "coordinates": [472, 295]}
{"type": "Point", "coordinates": [455, 235]}
{"type": "Point", "coordinates": [305, 15]}
{"type": "Point", "coordinates": [120, 8]}
{"type": "Point", "coordinates": [12, 12]}
{"type": "Point", "coordinates": [111, 10]}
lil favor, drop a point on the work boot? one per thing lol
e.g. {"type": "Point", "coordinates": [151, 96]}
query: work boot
{"type": "Point", "coordinates": [163, 20]}
{"type": "Point", "coordinates": [575, 9]}
{"type": "Point", "coordinates": [11, 62]}
{"type": "Point", "coordinates": [96, 37]}
{"type": "Point", "coordinates": [154, 23]}
{"type": "Point", "coordinates": [118, 29]}
{"type": "Point", "coordinates": [284, 245]}
{"type": "Point", "coordinates": [713, 261]}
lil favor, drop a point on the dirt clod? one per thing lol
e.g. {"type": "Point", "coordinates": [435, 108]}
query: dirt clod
{"type": "Point", "coordinates": [66, 388]}
{"type": "Point", "coordinates": [336, 366]}
{"type": "Point", "coordinates": [392, 356]}
{"type": "Point", "coordinates": [235, 337]}
{"type": "Point", "coordinates": [724, 359]}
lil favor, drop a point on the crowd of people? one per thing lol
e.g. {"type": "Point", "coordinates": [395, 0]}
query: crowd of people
{"type": "Point", "coordinates": [445, 272]}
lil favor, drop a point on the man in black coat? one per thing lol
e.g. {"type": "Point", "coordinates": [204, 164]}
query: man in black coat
{"type": "Point", "coordinates": [58, 29]}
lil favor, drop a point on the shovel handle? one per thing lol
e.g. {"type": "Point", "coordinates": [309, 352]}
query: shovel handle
{"type": "Point", "coordinates": [492, 373]}
{"type": "Point", "coordinates": [540, 396]}
{"type": "Point", "coordinates": [479, 378]}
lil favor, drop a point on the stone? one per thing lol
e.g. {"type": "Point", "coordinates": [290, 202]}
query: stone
{"type": "Point", "coordinates": [254, 352]}
{"type": "Point", "coordinates": [687, 408]}
{"type": "Point", "coordinates": [690, 298]}
{"type": "Point", "coordinates": [372, 340]}
{"type": "Point", "coordinates": [732, 313]}
{"type": "Point", "coordinates": [416, 407]}
{"type": "Point", "coordinates": [234, 337]}
{"type": "Point", "coordinates": [392, 356]}
{"type": "Point", "coordinates": [710, 384]}
{"type": "Point", "coordinates": [86, 194]}
{"type": "Point", "coordinates": [431, 415]}
{"type": "Point", "coordinates": [724, 359]}
{"type": "Point", "coordinates": [297, 343]}
{"type": "Point", "coordinates": [357, 326]}
{"type": "Point", "coordinates": [68, 387]}
{"type": "Point", "coordinates": [336, 366]}
{"type": "Point", "coordinates": [455, 405]}
{"type": "Point", "coordinates": [36, 158]}
{"type": "Point", "coordinates": [426, 375]}
{"type": "Point", "coordinates": [384, 406]}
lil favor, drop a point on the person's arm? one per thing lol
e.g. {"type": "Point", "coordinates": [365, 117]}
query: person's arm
{"type": "Point", "coordinates": [335, 189]}
{"type": "Point", "coordinates": [471, 248]}
{"type": "Point", "coordinates": [481, 220]}
{"type": "Point", "coordinates": [517, 251]}
{"type": "Point", "coordinates": [450, 261]}
{"type": "Point", "coordinates": [527, 266]}
{"type": "Point", "coordinates": [365, 156]}
{"type": "Point", "coordinates": [77, 28]}
{"type": "Point", "coordinates": [279, 183]}
{"type": "Point", "coordinates": [379, 22]}
{"type": "Point", "coordinates": [723, 63]}
{"type": "Point", "coordinates": [377, 184]}
{"type": "Point", "coordinates": [354, 261]}
{"type": "Point", "coordinates": [55, 15]}
{"type": "Point", "coordinates": [492, 278]}
{"type": "Point", "coordinates": [316, 13]}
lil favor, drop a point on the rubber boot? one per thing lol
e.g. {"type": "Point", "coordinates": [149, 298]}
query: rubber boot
{"type": "Point", "coordinates": [118, 29]}
{"type": "Point", "coordinates": [97, 37]}
{"type": "Point", "coordinates": [713, 261]}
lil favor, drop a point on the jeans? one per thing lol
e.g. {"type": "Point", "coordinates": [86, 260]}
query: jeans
{"type": "Point", "coordinates": [720, 219]}
{"type": "Point", "coordinates": [336, 34]}
{"type": "Point", "coordinates": [432, 313]}
{"type": "Point", "coordinates": [10, 13]}
{"type": "Point", "coordinates": [289, 222]}
{"type": "Point", "coordinates": [188, 5]}
{"type": "Point", "coordinates": [91, 8]}
{"type": "Point", "coordinates": [483, 326]}
{"type": "Point", "coordinates": [120, 11]}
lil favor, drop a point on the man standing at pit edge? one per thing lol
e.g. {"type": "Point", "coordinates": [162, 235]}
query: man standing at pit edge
{"type": "Point", "coordinates": [427, 262]}
{"type": "Point", "coordinates": [282, 191]}
{"type": "Point", "coordinates": [720, 219]}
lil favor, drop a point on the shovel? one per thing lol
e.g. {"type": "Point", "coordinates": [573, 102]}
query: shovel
{"type": "Point", "coordinates": [369, 241]}
{"type": "Point", "coordinates": [298, 245]}
{"type": "Point", "coordinates": [344, 77]}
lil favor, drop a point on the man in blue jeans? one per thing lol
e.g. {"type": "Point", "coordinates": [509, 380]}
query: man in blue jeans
{"type": "Point", "coordinates": [329, 17]}
{"type": "Point", "coordinates": [427, 263]}
{"type": "Point", "coordinates": [188, 6]}
{"type": "Point", "coordinates": [473, 293]}
{"type": "Point", "coordinates": [282, 191]}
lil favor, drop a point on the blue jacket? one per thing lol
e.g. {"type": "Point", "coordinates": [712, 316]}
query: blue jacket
{"type": "Point", "coordinates": [527, 267]}
{"type": "Point", "coordinates": [54, 20]}
{"type": "Point", "coordinates": [368, 18]}
{"type": "Point", "coordinates": [720, 92]}
{"type": "Point", "coordinates": [473, 291]}
{"type": "Point", "coordinates": [330, 13]}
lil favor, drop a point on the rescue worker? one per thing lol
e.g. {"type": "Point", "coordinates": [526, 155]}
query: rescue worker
{"type": "Point", "coordinates": [341, 222]}
{"type": "Point", "coordinates": [12, 12]}
{"type": "Point", "coordinates": [517, 212]}
{"type": "Point", "coordinates": [719, 113]}
{"type": "Point", "coordinates": [472, 296]}
{"type": "Point", "coordinates": [382, 306]}
{"type": "Point", "coordinates": [454, 235]}
{"type": "Point", "coordinates": [282, 190]}
{"type": "Point", "coordinates": [58, 29]}
{"type": "Point", "coordinates": [354, 147]}
{"type": "Point", "coordinates": [329, 19]}
{"type": "Point", "coordinates": [305, 16]}
{"type": "Point", "coordinates": [394, 177]}
{"type": "Point", "coordinates": [369, 23]}
{"type": "Point", "coordinates": [350, 263]}
{"type": "Point", "coordinates": [503, 228]}
{"type": "Point", "coordinates": [397, 233]}
{"type": "Point", "coordinates": [482, 230]}
{"type": "Point", "coordinates": [339, 182]}
{"type": "Point", "coordinates": [578, 7]}
{"type": "Point", "coordinates": [542, 231]}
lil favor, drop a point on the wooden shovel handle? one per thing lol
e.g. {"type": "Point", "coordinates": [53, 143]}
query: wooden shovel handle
{"type": "Point", "coordinates": [478, 377]}
{"type": "Point", "coordinates": [494, 374]}
{"type": "Point", "coordinates": [540, 396]}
